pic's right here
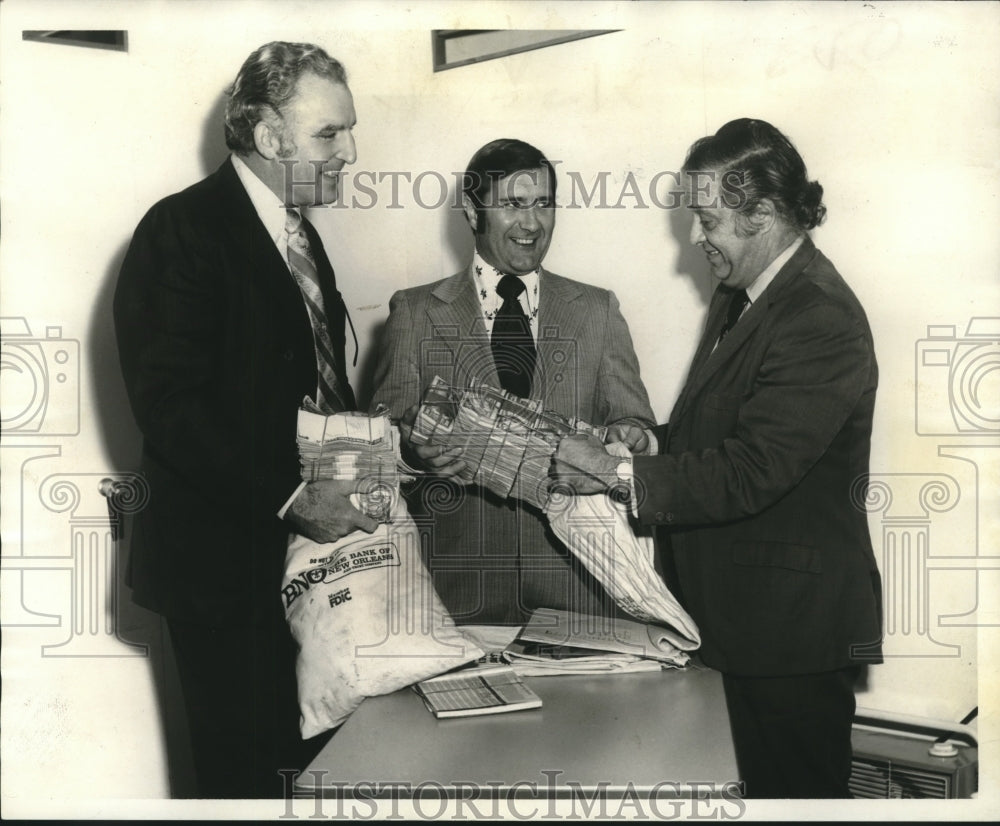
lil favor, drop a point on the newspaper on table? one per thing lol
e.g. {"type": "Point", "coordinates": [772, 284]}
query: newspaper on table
{"type": "Point", "coordinates": [568, 637]}
{"type": "Point", "coordinates": [543, 659]}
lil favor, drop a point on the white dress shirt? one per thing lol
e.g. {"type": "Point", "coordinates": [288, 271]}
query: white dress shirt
{"type": "Point", "coordinates": [266, 204]}
{"type": "Point", "coordinates": [271, 211]}
{"type": "Point", "coordinates": [756, 290]}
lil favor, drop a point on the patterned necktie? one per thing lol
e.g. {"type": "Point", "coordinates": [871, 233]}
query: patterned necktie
{"type": "Point", "coordinates": [329, 395]}
{"type": "Point", "coordinates": [513, 347]}
{"type": "Point", "coordinates": [738, 301]}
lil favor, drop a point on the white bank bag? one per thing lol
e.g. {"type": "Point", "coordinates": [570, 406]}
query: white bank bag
{"type": "Point", "coordinates": [366, 618]}
{"type": "Point", "coordinates": [599, 533]}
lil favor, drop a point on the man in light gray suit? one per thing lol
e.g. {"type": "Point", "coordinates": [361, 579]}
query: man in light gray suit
{"type": "Point", "coordinates": [506, 321]}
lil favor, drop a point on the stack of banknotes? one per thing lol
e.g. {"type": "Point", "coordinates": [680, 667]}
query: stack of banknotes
{"type": "Point", "coordinates": [352, 447]}
{"type": "Point", "coordinates": [508, 442]}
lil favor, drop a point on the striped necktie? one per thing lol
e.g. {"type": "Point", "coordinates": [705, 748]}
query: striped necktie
{"type": "Point", "coordinates": [330, 397]}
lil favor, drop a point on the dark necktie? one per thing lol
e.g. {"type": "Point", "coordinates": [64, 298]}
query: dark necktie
{"type": "Point", "coordinates": [513, 347]}
{"type": "Point", "coordinates": [738, 301]}
{"type": "Point", "coordinates": [330, 397]}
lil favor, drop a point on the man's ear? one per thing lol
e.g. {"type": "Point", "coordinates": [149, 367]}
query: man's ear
{"type": "Point", "coordinates": [470, 212]}
{"type": "Point", "coordinates": [763, 216]}
{"type": "Point", "coordinates": [267, 139]}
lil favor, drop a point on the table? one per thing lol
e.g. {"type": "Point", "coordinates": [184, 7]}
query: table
{"type": "Point", "coordinates": [644, 731]}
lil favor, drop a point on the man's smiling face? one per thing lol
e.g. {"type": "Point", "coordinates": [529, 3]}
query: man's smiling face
{"type": "Point", "coordinates": [735, 252]}
{"type": "Point", "coordinates": [514, 228]}
{"type": "Point", "coordinates": [316, 142]}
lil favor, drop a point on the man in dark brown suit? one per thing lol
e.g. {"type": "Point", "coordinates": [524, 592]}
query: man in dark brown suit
{"type": "Point", "coordinates": [763, 467]}
{"type": "Point", "coordinates": [219, 343]}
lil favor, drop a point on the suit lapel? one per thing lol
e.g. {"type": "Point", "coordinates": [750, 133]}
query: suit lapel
{"type": "Point", "coordinates": [707, 361]}
{"type": "Point", "coordinates": [716, 312]}
{"type": "Point", "coordinates": [557, 324]}
{"type": "Point", "coordinates": [456, 320]}
{"type": "Point", "coordinates": [262, 270]}
{"type": "Point", "coordinates": [261, 259]}
{"type": "Point", "coordinates": [731, 344]}
{"type": "Point", "coordinates": [713, 327]}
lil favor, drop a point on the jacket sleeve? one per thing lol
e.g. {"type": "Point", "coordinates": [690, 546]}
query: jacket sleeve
{"type": "Point", "coordinates": [170, 309]}
{"type": "Point", "coordinates": [620, 395]}
{"type": "Point", "coordinates": [813, 374]}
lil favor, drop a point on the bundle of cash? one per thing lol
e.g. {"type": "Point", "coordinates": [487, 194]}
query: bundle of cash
{"type": "Point", "coordinates": [352, 447]}
{"type": "Point", "coordinates": [507, 442]}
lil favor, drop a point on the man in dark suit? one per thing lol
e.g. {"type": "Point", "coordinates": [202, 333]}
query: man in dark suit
{"type": "Point", "coordinates": [228, 315]}
{"type": "Point", "coordinates": [760, 483]}
{"type": "Point", "coordinates": [553, 339]}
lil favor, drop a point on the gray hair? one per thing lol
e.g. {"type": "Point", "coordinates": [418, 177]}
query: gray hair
{"type": "Point", "coordinates": [266, 82]}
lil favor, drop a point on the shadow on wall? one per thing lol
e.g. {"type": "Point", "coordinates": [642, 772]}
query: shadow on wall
{"type": "Point", "coordinates": [119, 434]}
{"type": "Point", "coordinates": [213, 140]}
{"type": "Point", "coordinates": [368, 357]}
{"type": "Point", "coordinates": [456, 233]}
{"type": "Point", "coordinates": [690, 262]}
{"type": "Point", "coordinates": [122, 443]}
{"type": "Point", "coordinates": [457, 245]}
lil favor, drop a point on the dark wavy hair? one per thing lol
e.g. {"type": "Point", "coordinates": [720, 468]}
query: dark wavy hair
{"type": "Point", "coordinates": [266, 82]}
{"type": "Point", "coordinates": [499, 159]}
{"type": "Point", "coordinates": [764, 164]}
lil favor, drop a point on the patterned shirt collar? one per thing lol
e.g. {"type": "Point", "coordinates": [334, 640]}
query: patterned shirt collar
{"type": "Point", "coordinates": [486, 277]}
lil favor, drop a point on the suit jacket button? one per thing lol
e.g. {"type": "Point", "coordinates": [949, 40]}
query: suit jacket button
{"type": "Point", "coordinates": [659, 516]}
{"type": "Point", "coordinates": [289, 355]}
{"type": "Point", "coordinates": [670, 517]}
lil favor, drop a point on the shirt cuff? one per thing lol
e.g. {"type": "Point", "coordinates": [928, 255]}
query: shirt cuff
{"type": "Point", "coordinates": [617, 450]}
{"type": "Point", "coordinates": [292, 498]}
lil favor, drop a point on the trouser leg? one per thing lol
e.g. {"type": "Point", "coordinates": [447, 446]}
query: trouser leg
{"type": "Point", "coordinates": [793, 734]}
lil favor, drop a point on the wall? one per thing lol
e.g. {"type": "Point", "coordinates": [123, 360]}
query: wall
{"type": "Point", "coordinates": [893, 106]}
